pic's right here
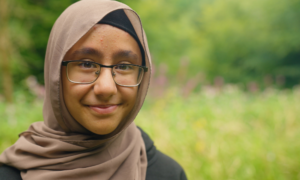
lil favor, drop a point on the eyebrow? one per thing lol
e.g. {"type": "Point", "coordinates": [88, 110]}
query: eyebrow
{"type": "Point", "coordinates": [86, 51]}
{"type": "Point", "coordinates": [127, 54]}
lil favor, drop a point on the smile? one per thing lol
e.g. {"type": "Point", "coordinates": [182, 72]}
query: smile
{"type": "Point", "coordinates": [104, 109]}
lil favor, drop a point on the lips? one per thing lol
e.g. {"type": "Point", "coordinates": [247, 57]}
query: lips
{"type": "Point", "coordinates": [104, 109]}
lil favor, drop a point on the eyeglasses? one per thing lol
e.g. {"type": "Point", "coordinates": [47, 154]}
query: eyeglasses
{"type": "Point", "coordinates": [87, 72]}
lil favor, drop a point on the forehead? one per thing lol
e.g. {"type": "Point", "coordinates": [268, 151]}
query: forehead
{"type": "Point", "coordinates": [100, 29]}
{"type": "Point", "coordinates": [105, 40]}
{"type": "Point", "coordinates": [104, 33]}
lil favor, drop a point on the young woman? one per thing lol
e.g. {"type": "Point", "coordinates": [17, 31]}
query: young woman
{"type": "Point", "coordinates": [97, 72]}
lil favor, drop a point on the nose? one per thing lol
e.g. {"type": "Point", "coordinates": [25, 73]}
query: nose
{"type": "Point", "coordinates": [105, 86]}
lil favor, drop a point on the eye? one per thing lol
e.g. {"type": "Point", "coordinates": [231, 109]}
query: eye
{"type": "Point", "coordinates": [124, 67]}
{"type": "Point", "coordinates": [87, 64]}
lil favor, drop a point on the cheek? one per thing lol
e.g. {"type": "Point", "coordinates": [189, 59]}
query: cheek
{"type": "Point", "coordinates": [72, 92]}
{"type": "Point", "coordinates": [129, 95]}
{"type": "Point", "coordinates": [75, 93]}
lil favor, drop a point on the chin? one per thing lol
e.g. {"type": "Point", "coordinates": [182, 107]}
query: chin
{"type": "Point", "coordinates": [103, 130]}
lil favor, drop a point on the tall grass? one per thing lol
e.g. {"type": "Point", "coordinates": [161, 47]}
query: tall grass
{"type": "Point", "coordinates": [214, 134]}
{"type": "Point", "coordinates": [229, 134]}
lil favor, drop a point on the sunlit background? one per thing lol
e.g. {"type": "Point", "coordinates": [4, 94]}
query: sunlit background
{"type": "Point", "coordinates": [224, 98]}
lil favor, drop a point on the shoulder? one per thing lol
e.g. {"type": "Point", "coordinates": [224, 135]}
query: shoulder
{"type": "Point", "coordinates": [161, 166]}
{"type": "Point", "coordinates": [9, 173]}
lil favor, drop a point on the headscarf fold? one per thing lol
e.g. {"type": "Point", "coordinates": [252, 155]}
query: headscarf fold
{"type": "Point", "coordinates": [59, 147]}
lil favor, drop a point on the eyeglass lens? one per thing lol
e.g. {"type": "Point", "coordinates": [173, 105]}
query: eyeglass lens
{"type": "Point", "coordinates": [88, 72]}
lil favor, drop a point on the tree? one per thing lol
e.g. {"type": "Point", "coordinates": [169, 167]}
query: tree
{"type": "Point", "coordinates": [5, 51]}
{"type": "Point", "coordinates": [247, 40]}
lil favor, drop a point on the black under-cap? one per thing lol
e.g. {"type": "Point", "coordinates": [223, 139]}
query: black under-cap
{"type": "Point", "coordinates": [119, 19]}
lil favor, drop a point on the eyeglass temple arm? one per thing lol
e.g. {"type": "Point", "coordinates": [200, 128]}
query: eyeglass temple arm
{"type": "Point", "coordinates": [64, 63]}
{"type": "Point", "coordinates": [145, 68]}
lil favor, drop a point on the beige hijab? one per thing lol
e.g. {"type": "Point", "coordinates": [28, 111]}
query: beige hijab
{"type": "Point", "coordinates": [60, 148]}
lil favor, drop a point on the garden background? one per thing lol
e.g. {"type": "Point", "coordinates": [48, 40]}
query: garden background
{"type": "Point", "coordinates": [225, 81]}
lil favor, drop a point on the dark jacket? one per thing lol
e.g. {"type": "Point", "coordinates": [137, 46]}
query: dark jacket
{"type": "Point", "coordinates": [160, 166]}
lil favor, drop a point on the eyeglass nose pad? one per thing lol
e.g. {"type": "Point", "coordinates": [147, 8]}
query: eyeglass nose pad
{"type": "Point", "coordinates": [97, 72]}
{"type": "Point", "coordinates": [113, 74]}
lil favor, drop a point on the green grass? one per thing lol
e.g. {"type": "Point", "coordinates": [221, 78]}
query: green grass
{"type": "Point", "coordinates": [228, 135]}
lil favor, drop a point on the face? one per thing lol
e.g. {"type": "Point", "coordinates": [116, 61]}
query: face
{"type": "Point", "coordinates": [101, 106]}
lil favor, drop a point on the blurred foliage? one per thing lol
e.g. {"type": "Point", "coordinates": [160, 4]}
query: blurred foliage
{"type": "Point", "coordinates": [30, 26]}
{"type": "Point", "coordinates": [240, 40]}
{"type": "Point", "coordinates": [227, 134]}
{"type": "Point", "coordinates": [247, 40]}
